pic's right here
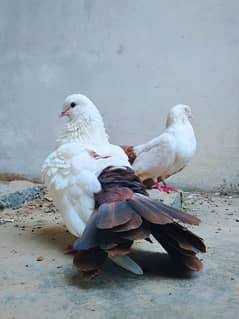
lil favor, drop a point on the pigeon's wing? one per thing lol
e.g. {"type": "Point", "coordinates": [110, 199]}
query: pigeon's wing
{"type": "Point", "coordinates": [72, 183]}
{"type": "Point", "coordinates": [155, 158]}
{"type": "Point", "coordinates": [70, 173]}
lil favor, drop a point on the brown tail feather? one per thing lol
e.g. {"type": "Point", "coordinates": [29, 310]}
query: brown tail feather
{"type": "Point", "coordinates": [120, 249]}
{"type": "Point", "coordinates": [147, 210]}
{"type": "Point", "coordinates": [90, 262]}
{"type": "Point", "coordinates": [135, 222]}
{"type": "Point", "coordinates": [125, 213]}
{"type": "Point", "coordinates": [142, 232]}
{"type": "Point", "coordinates": [192, 263]}
{"type": "Point", "coordinates": [186, 237]}
{"type": "Point", "coordinates": [113, 194]}
{"type": "Point", "coordinates": [110, 215]}
{"type": "Point", "coordinates": [89, 238]}
{"type": "Point", "coordinates": [171, 211]}
{"type": "Point", "coordinates": [183, 245]}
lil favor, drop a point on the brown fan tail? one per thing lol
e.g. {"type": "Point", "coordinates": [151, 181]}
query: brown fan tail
{"type": "Point", "coordinates": [180, 244]}
{"type": "Point", "coordinates": [124, 213]}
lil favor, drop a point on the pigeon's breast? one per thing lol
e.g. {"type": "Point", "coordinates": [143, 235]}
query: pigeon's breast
{"type": "Point", "coordinates": [185, 149]}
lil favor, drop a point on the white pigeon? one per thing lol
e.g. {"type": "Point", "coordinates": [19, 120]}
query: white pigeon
{"type": "Point", "coordinates": [168, 153]}
{"type": "Point", "coordinates": [70, 171]}
{"type": "Point", "coordinates": [103, 202]}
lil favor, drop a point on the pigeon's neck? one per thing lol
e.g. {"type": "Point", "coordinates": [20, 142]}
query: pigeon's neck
{"type": "Point", "coordinates": [180, 129]}
{"type": "Point", "coordinates": [172, 122]}
{"type": "Point", "coordinates": [86, 133]}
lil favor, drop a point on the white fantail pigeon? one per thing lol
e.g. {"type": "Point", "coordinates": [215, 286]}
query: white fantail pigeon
{"type": "Point", "coordinates": [166, 154]}
{"type": "Point", "coordinates": [104, 203]}
{"type": "Point", "coordinates": [70, 171]}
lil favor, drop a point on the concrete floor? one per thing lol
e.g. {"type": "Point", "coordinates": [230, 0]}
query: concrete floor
{"type": "Point", "coordinates": [52, 288]}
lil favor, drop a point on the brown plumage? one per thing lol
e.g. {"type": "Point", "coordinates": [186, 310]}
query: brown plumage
{"type": "Point", "coordinates": [129, 151]}
{"type": "Point", "coordinates": [124, 213]}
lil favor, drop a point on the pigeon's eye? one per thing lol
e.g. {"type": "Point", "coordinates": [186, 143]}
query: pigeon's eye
{"type": "Point", "coordinates": [73, 104]}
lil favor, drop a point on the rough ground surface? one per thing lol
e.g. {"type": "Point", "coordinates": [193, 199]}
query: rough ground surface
{"type": "Point", "coordinates": [52, 288]}
{"type": "Point", "coordinates": [13, 194]}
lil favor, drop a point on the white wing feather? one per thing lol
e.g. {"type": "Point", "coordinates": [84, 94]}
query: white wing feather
{"type": "Point", "coordinates": [70, 175]}
{"type": "Point", "coordinates": [154, 158]}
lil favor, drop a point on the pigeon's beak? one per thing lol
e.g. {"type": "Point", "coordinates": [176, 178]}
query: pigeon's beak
{"type": "Point", "coordinates": [190, 116]}
{"type": "Point", "coordinates": [65, 112]}
{"type": "Point", "coordinates": [62, 114]}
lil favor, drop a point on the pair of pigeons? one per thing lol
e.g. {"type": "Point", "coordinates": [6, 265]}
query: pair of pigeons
{"type": "Point", "coordinates": [102, 197]}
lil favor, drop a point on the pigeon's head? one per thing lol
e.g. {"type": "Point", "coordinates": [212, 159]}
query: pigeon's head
{"type": "Point", "coordinates": [179, 113]}
{"type": "Point", "coordinates": [79, 108]}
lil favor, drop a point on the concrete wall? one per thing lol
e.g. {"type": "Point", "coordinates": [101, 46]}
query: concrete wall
{"type": "Point", "coordinates": [135, 59]}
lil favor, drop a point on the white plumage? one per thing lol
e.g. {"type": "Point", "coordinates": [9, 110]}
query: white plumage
{"type": "Point", "coordinates": [171, 151]}
{"type": "Point", "coordinates": [70, 172]}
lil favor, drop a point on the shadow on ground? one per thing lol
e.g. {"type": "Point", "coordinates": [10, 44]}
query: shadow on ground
{"type": "Point", "coordinates": [153, 263]}
{"type": "Point", "coordinates": [53, 236]}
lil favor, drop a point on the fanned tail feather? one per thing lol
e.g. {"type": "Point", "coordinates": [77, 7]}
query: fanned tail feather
{"type": "Point", "coordinates": [181, 244]}
{"type": "Point", "coordinates": [123, 215]}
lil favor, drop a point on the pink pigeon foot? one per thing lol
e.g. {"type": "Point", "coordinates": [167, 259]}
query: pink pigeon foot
{"type": "Point", "coordinates": [69, 250]}
{"type": "Point", "coordinates": [163, 188]}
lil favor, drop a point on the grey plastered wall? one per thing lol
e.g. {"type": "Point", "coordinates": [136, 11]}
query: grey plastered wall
{"type": "Point", "coordinates": [135, 59]}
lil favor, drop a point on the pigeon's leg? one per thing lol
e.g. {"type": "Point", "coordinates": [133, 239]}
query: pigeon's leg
{"type": "Point", "coordinates": [69, 250]}
{"type": "Point", "coordinates": [148, 183]}
{"type": "Point", "coordinates": [164, 187]}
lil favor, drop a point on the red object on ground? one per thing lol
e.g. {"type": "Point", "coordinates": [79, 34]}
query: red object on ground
{"type": "Point", "coordinates": [40, 258]}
